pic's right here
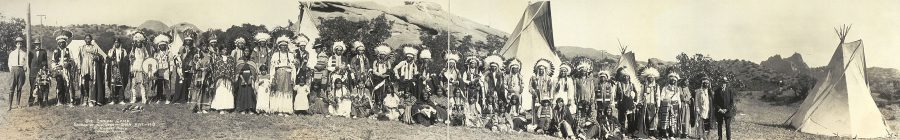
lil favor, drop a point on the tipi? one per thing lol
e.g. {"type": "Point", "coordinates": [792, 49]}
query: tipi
{"type": "Point", "coordinates": [629, 63]}
{"type": "Point", "coordinates": [306, 26]}
{"type": "Point", "coordinates": [841, 103]}
{"type": "Point", "coordinates": [532, 39]}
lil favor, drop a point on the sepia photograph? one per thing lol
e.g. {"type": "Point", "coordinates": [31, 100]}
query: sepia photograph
{"type": "Point", "coordinates": [449, 69]}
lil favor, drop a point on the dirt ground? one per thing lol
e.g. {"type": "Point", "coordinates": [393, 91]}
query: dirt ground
{"type": "Point", "coordinates": [756, 120]}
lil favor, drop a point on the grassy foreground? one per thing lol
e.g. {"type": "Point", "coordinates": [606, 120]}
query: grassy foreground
{"type": "Point", "coordinates": [756, 120]}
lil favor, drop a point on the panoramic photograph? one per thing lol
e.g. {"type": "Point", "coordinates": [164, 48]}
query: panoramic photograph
{"type": "Point", "coordinates": [449, 69]}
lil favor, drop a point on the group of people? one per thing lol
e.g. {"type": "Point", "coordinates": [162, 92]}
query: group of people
{"type": "Point", "coordinates": [272, 77]}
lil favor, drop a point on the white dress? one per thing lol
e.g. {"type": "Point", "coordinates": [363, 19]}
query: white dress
{"type": "Point", "coordinates": [263, 92]}
{"type": "Point", "coordinates": [224, 98]}
{"type": "Point", "coordinates": [301, 100]}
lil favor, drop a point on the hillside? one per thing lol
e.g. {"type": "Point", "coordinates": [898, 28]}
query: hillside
{"type": "Point", "coordinates": [791, 64]}
{"type": "Point", "coordinates": [408, 21]}
{"type": "Point", "coordinates": [154, 25]}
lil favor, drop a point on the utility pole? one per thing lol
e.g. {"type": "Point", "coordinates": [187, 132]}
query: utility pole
{"type": "Point", "coordinates": [42, 19]}
{"type": "Point", "coordinates": [28, 42]}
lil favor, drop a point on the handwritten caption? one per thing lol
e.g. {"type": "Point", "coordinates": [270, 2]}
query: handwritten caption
{"type": "Point", "coordinates": [112, 125]}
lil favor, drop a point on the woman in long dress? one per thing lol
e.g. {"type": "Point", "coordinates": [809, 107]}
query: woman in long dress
{"type": "Point", "coordinates": [225, 74]}
{"type": "Point", "coordinates": [281, 101]}
{"type": "Point", "coordinates": [245, 99]}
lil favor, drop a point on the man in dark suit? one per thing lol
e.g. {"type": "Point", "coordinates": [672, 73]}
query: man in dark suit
{"type": "Point", "coordinates": [723, 105]}
{"type": "Point", "coordinates": [38, 61]}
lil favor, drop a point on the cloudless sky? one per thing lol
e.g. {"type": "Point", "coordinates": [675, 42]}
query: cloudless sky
{"type": "Point", "coordinates": [736, 29]}
{"type": "Point", "coordinates": [743, 29]}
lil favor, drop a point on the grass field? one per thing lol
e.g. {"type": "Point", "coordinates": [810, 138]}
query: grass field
{"type": "Point", "coordinates": [756, 120]}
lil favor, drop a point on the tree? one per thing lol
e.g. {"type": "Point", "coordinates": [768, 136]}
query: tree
{"type": "Point", "coordinates": [370, 32]}
{"type": "Point", "coordinates": [438, 47]}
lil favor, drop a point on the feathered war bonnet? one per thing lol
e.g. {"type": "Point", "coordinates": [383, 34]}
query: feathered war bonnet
{"type": "Point", "coordinates": [162, 39]}
{"type": "Point", "coordinates": [493, 60]}
{"type": "Point", "coordinates": [544, 63]}
{"type": "Point", "coordinates": [63, 35]}
{"type": "Point", "coordinates": [513, 63]}
{"type": "Point", "coordinates": [262, 37]}
{"type": "Point", "coordinates": [451, 57]}
{"type": "Point", "coordinates": [584, 65]}
{"type": "Point", "coordinates": [650, 72]}
{"type": "Point", "coordinates": [425, 54]}
{"type": "Point", "coordinates": [338, 45]}
{"type": "Point", "coordinates": [383, 50]}
{"type": "Point", "coordinates": [358, 46]}
{"type": "Point", "coordinates": [409, 50]}
{"type": "Point", "coordinates": [565, 66]}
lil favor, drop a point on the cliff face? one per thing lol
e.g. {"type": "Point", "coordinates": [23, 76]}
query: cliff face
{"type": "Point", "coordinates": [792, 64]}
{"type": "Point", "coordinates": [408, 21]}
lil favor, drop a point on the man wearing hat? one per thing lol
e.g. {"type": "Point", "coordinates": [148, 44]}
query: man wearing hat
{"type": "Point", "coordinates": [139, 77]}
{"type": "Point", "coordinates": [38, 63]}
{"type": "Point", "coordinates": [723, 102]}
{"type": "Point", "coordinates": [17, 68]}
{"type": "Point", "coordinates": [91, 54]}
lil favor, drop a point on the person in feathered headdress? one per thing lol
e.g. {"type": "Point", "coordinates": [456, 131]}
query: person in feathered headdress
{"type": "Point", "coordinates": [162, 76]}
{"type": "Point", "coordinates": [283, 70]}
{"type": "Point", "coordinates": [425, 74]}
{"type": "Point", "coordinates": [450, 85]}
{"type": "Point", "coordinates": [514, 85]}
{"type": "Point", "coordinates": [470, 78]}
{"type": "Point", "coordinates": [669, 106]}
{"type": "Point", "coordinates": [494, 96]}
{"type": "Point", "coordinates": [337, 64]}
{"type": "Point", "coordinates": [262, 51]}
{"type": "Point", "coordinates": [541, 81]}
{"type": "Point", "coordinates": [381, 68]}
{"type": "Point", "coordinates": [61, 63]}
{"type": "Point", "coordinates": [240, 45]}
{"type": "Point", "coordinates": [139, 79]}
{"type": "Point", "coordinates": [407, 69]}
{"type": "Point", "coordinates": [565, 87]}
{"type": "Point", "coordinates": [584, 96]}
{"type": "Point", "coordinates": [605, 93]}
{"type": "Point", "coordinates": [359, 81]}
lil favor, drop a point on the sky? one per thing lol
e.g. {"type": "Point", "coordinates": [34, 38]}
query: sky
{"type": "Point", "coordinates": [737, 29]}
{"type": "Point", "coordinates": [751, 30]}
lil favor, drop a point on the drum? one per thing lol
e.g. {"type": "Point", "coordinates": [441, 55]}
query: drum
{"type": "Point", "coordinates": [150, 66]}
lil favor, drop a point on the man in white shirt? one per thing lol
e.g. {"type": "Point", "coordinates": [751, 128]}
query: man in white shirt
{"type": "Point", "coordinates": [16, 63]}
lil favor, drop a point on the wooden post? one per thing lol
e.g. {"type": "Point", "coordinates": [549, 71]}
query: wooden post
{"type": "Point", "coordinates": [28, 42]}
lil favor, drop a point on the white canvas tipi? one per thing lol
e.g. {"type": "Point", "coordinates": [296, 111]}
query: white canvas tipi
{"type": "Point", "coordinates": [532, 39]}
{"type": "Point", "coordinates": [841, 103]}
{"type": "Point", "coordinates": [306, 26]}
